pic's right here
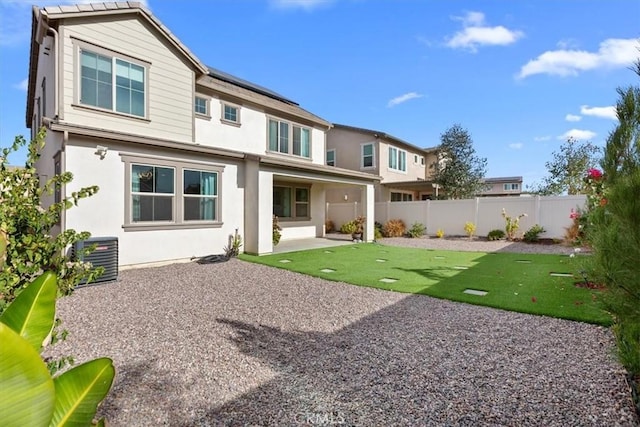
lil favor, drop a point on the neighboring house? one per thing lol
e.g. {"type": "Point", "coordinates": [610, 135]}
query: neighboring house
{"type": "Point", "coordinates": [502, 186]}
{"type": "Point", "coordinates": [183, 154]}
{"type": "Point", "coordinates": [404, 168]}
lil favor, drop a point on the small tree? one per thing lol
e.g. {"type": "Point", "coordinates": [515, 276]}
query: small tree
{"type": "Point", "coordinates": [459, 171]}
{"type": "Point", "coordinates": [27, 226]}
{"type": "Point", "coordinates": [568, 168]}
{"type": "Point", "coordinates": [615, 230]}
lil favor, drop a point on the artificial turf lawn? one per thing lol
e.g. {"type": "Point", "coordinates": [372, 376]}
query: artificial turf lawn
{"type": "Point", "coordinates": [516, 282]}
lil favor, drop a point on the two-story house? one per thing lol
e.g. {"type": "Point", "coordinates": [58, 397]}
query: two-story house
{"type": "Point", "coordinates": [502, 186]}
{"type": "Point", "coordinates": [183, 154]}
{"type": "Point", "coordinates": [404, 168]}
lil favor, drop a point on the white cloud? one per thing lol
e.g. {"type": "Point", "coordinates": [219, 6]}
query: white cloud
{"type": "Point", "coordinates": [303, 4]}
{"type": "Point", "coordinates": [542, 138]}
{"type": "Point", "coordinates": [15, 25]}
{"type": "Point", "coordinates": [579, 134]}
{"type": "Point", "coordinates": [572, 118]}
{"type": "Point", "coordinates": [603, 112]}
{"type": "Point", "coordinates": [22, 85]}
{"type": "Point", "coordinates": [403, 98]}
{"type": "Point", "coordinates": [611, 53]}
{"type": "Point", "coordinates": [516, 145]}
{"type": "Point", "coordinates": [476, 33]}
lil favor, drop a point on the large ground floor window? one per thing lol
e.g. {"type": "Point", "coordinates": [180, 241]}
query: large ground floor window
{"type": "Point", "coordinates": [169, 193]}
{"type": "Point", "coordinates": [291, 202]}
{"type": "Point", "coordinates": [401, 197]}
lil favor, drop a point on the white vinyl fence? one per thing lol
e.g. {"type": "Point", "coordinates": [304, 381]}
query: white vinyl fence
{"type": "Point", "coordinates": [552, 213]}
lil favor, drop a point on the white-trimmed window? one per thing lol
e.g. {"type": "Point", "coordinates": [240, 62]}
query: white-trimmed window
{"type": "Point", "coordinates": [331, 157]}
{"type": "Point", "coordinates": [164, 193]}
{"type": "Point", "coordinates": [422, 160]}
{"type": "Point", "coordinates": [289, 138]}
{"type": "Point", "coordinates": [230, 113]}
{"type": "Point", "coordinates": [511, 186]}
{"type": "Point", "coordinates": [397, 159]}
{"type": "Point", "coordinates": [201, 106]}
{"type": "Point", "coordinates": [291, 202]}
{"type": "Point", "coordinates": [401, 197]}
{"type": "Point", "coordinates": [112, 83]}
{"type": "Point", "coordinates": [415, 159]}
{"type": "Point", "coordinates": [367, 155]}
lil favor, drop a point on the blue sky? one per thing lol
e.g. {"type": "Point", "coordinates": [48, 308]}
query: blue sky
{"type": "Point", "coordinates": [520, 76]}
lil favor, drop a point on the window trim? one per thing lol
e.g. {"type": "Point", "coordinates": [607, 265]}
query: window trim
{"type": "Point", "coordinates": [511, 186]}
{"type": "Point", "coordinates": [179, 165]}
{"type": "Point", "coordinates": [290, 131]}
{"type": "Point", "coordinates": [207, 106]}
{"type": "Point", "coordinates": [403, 193]}
{"type": "Point", "coordinates": [398, 151]}
{"type": "Point", "coordinates": [292, 187]}
{"type": "Point", "coordinates": [326, 160]}
{"type": "Point", "coordinates": [78, 46]}
{"type": "Point", "coordinates": [373, 155]}
{"type": "Point", "coordinates": [224, 104]}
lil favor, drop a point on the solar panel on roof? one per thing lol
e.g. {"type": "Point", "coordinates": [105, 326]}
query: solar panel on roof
{"type": "Point", "coordinates": [213, 72]}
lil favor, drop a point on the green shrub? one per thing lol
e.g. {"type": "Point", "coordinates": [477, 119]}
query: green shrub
{"type": "Point", "coordinates": [275, 231]}
{"type": "Point", "coordinates": [417, 230]}
{"type": "Point", "coordinates": [348, 228]}
{"type": "Point", "coordinates": [511, 224]}
{"type": "Point", "coordinates": [496, 234]}
{"type": "Point", "coordinates": [394, 228]}
{"type": "Point", "coordinates": [30, 249]}
{"type": "Point", "coordinates": [533, 234]}
{"type": "Point", "coordinates": [377, 234]}
{"type": "Point", "coordinates": [31, 396]}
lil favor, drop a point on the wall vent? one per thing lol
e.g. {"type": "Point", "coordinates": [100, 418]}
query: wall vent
{"type": "Point", "coordinates": [105, 255]}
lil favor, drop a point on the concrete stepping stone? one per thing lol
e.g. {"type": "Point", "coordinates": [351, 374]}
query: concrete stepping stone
{"type": "Point", "coordinates": [284, 261]}
{"type": "Point", "coordinates": [524, 261]}
{"type": "Point", "coordinates": [561, 274]}
{"type": "Point", "coordinates": [381, 260]}
{"type": "Point", "coordinates": [460, 267]}
{"type": "Point", "coordinates": [388, 280]}
{"type": "Point", "coordinates": [328, 270]}
{"type": "Point", "coordinates": [475, 292]}
{"type": "Point", "coordinates": [438, 257]}
{"type": "Point", "coordinates": [328, 252]}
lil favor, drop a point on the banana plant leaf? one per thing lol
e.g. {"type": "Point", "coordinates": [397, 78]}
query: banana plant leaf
{"type": "Point", "coordinates": [80, 390]}
{"type": "Point", "coordinates": [26, 389]}
{"type": "Point", "coordinates": [32, 313]}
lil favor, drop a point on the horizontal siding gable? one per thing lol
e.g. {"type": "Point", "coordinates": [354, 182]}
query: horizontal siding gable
{"type": "Point", "coordinates": [170, 77]}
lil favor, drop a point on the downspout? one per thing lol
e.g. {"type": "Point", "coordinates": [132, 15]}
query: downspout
{"type": "Point", "coordinates": [63, 169]}
{"type": "Point", "coordinates": [56, 76]}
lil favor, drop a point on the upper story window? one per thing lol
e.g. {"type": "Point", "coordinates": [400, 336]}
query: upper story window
{"type": "Point", "coordinates": [201, 106]}
{"type": "Point", "coordinates": [230, 113]}
{"type": "Point", "coordinates": [367, 156]}
{"type": "Point", "coordinates": [112, 83]}
{"type": "Point", "coordinates": [331, 157]}
{"type": "Point", "coordinates": [289, 138]}
{"type": "Point", "coordinates": [397, 159]}
{"type": "Point", "coordinates": [421, 160]}
{"type": "Point", "coordinates": [511, 187]}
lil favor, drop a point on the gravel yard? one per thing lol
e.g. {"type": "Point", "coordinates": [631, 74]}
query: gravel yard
{"type": "Point", "coordinates": [243, 344]}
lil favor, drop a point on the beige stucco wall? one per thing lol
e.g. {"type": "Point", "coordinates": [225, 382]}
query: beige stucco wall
{"type": "Point", "coordinates": [103, 214]}
{"type": "Point", "coordinates": [170, 80]}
